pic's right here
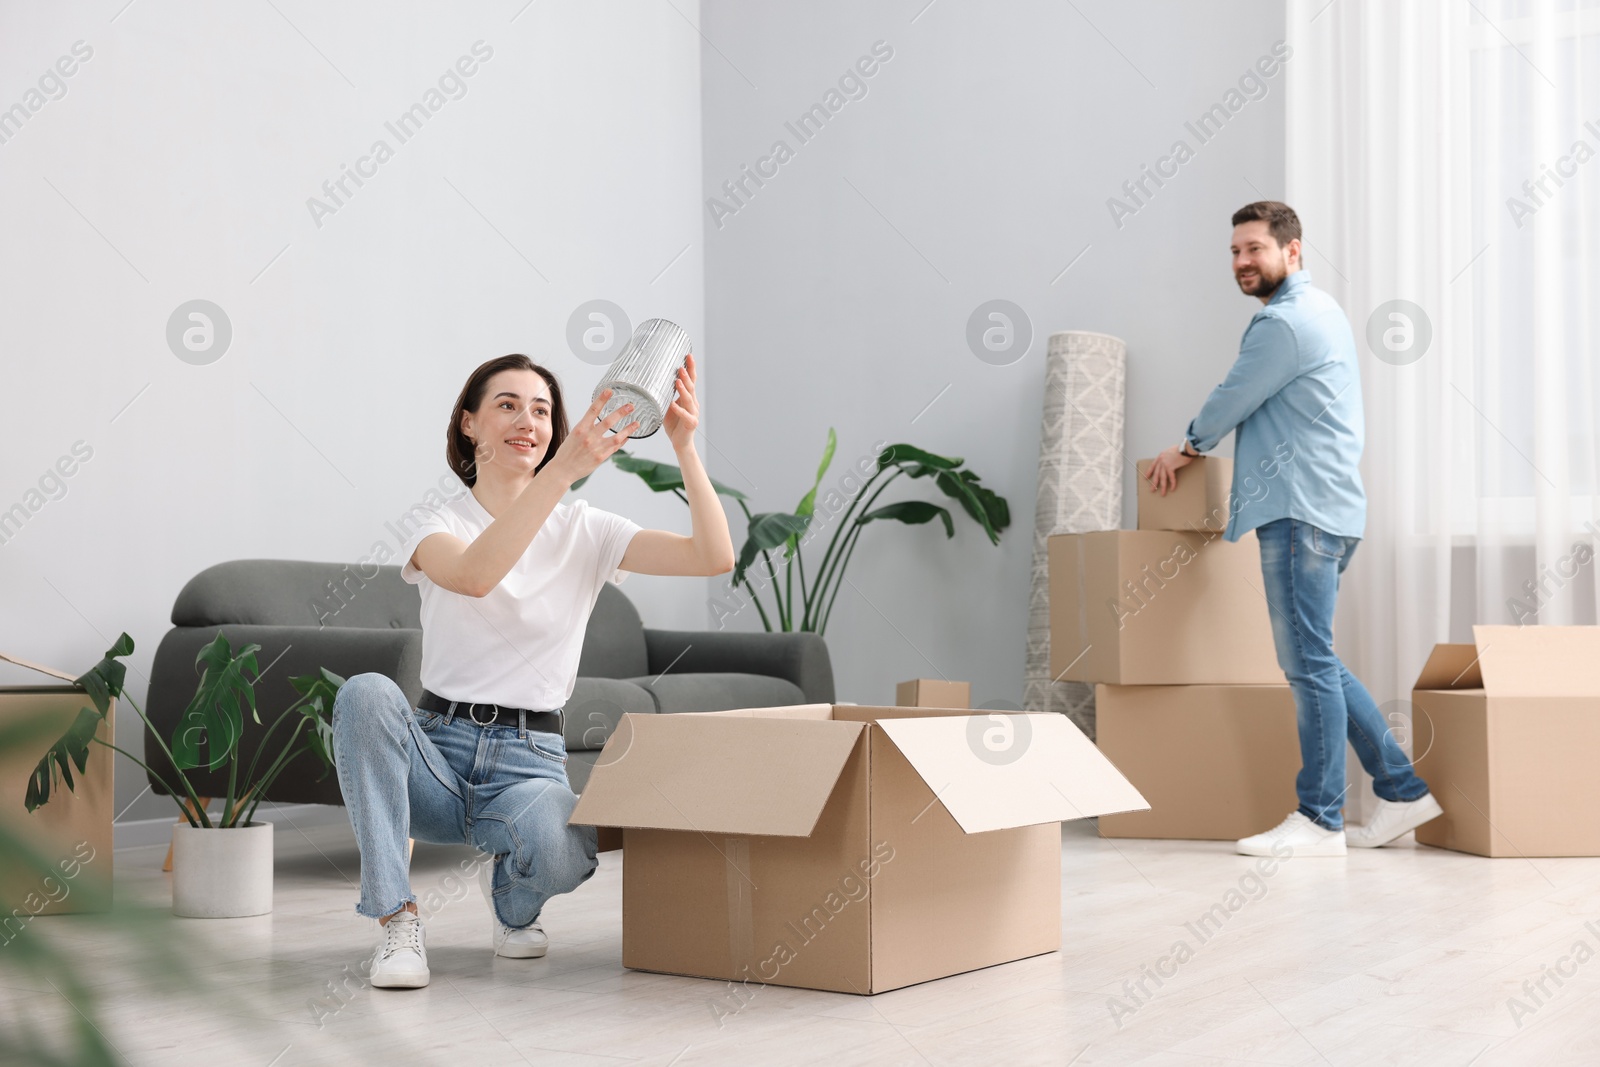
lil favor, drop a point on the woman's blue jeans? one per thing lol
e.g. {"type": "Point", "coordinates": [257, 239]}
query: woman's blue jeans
{"type": "Point", "coordinates": [436, 777]}
{"type": "Point", "coordinates": [1301, 565]}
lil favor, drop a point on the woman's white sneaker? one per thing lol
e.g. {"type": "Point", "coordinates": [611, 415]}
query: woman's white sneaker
{"type": "Point", "coordinates": [526, 943]}
{"type": "Point", "coordinates": [401, 961]}
{"type": "Point", "coordinates": [1294, 836]}
{"type": "Point", "coordinates": [1393, 820]}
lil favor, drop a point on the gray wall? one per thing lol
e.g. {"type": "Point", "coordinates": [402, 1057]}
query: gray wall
{"type": "Point", "coordinates": [977, 166]}
{"type": "Point", "coordinates": [178, 165]}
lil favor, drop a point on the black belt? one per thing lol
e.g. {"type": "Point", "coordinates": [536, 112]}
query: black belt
{"type": "Point", "coordinates": [493, 714]}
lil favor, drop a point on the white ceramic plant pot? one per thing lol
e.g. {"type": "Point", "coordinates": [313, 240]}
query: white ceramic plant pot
{"type": "Point", "coordinates": [221, 874]}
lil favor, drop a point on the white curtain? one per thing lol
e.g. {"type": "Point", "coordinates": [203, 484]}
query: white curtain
{"type": "Point", "coordinates": [1447, 153]}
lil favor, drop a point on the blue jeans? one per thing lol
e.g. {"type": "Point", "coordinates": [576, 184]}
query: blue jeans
{"type": "Point", "coordinates": [437, 777]}
{"type": "Point", "coordinates": [1301, 566]}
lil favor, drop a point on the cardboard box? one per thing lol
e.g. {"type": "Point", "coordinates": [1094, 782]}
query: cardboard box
{"type": "Point", "coordinates": [1507, 731]}
{"type": "Point", "coordinates": [73, 830]}
{"type": "Point", "coordinates": [838, 847]}
{"type": "Point", "coordinates": [1147, 607]}
{"type": "Point", "coordinates": [933, 693]}
{"type": "Point", "coordinates": [1200, 502]}
{"type": "Point", "coordinates": [1216, 762]}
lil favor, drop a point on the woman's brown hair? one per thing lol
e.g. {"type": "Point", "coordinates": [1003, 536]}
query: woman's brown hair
{"type": "Point", "coordinates": [458, 446]}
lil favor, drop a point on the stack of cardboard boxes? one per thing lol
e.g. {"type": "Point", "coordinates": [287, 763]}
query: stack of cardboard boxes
{"type": "Point", "coordinates": [1171, 623]}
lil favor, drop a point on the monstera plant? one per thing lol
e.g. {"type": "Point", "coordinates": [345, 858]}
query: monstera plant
{"type": "Point", "coordinates": [788, 532]}
{"type": "Point", "coordinates": [221, 868]}
{"type": "Point", "coordinates": [207, 735]}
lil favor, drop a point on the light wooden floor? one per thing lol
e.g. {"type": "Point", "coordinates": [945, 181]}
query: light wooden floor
{"type": "Point", "coordinates": [1406, 955]}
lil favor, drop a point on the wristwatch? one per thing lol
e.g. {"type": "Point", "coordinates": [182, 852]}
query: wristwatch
{"type": "Point", "coordinates": [1183, 449]}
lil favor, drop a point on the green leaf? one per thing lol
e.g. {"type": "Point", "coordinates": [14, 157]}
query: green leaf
{"type": "Point", "coordinates": [103, 683]}
{"type": "Point", "coordinates": [321, 689]}
{"type": "Point", "coordinates": [911, 512]}
{"type": "Point", "coordinates": [767, 530]}
{"type": "Point", "coordinates": [897, 454]}
{"type": "Point", "coordinates": [808, 503]}
{"type": "Point", "coordinates": [663, 477]}
{"type": "Point", "coordinates": [215, 717]}
{"type": "Point", "coordinates": [72, 747]}
{"type": "Point", "coordinates": [104, 680]}
{"type": "Point", "coordinates": [994, 505]}
{"type": "Point", "coordinates": [955, 486]}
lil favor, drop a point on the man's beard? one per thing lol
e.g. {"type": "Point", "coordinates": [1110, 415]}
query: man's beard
{"type": "Point", "coordinates": [1266, 283]}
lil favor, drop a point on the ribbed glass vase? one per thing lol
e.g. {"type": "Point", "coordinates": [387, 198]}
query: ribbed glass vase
{"type": "Point", "coordinates": [646, 374]}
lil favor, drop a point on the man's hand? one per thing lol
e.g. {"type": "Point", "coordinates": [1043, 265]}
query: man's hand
{"type": "Point", "coordinates": [1163, 474]}
{"type": "Point", "coordinates": [683, 416]}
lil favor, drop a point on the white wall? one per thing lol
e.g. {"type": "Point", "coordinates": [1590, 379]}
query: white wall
{"type": "Point", "coordinates": [977, 166]}
{"type": "Point", "coordinates": [178, 166]}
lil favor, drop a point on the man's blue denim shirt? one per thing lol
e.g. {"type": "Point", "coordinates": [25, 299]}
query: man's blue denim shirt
{"type": "Point", "coordinates": [1294, 395]}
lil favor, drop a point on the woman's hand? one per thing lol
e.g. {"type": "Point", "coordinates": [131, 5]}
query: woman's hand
{"type": "Point", "coordinates": [1163, 473]}
{"type": "Point", "coordinates": [683, 416]}
{"type": "Point", "coordinates": [588, 445]}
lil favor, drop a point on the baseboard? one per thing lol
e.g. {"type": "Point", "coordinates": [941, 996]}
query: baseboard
{"type": "Point", "coordinates": [138, 833]}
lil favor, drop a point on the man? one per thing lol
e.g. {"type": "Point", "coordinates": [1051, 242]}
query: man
{"type": "Point", "coordinates": [1294, 396]}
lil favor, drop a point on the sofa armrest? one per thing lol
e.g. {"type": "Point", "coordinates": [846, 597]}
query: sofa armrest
{"type": "Point", "coordinates": [801, 658]}
{"type": "Point", "coordinates": [286, 651]}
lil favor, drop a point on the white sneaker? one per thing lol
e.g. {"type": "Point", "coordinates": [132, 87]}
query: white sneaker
{"type": "Point", "coordinates": [401, 961]}
{"type": "Point", "coordinates": [1393, 820]}
{"type": "Point", "coordinates": [525, 943]}
{"type": "Point", "coordinates": [1294, 836]}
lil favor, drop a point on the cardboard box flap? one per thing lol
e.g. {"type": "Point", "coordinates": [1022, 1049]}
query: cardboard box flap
{"type": "Point", "coordinates": [38, 667]}
{"type": "Point", "coordinates": [716, 774]}
{"type": "Point", "coordinates": [1451, 667]}
{"type": "Point", "coordinates": [1539, 660]}
{"type": "Point", "coordinates": [994, 772]}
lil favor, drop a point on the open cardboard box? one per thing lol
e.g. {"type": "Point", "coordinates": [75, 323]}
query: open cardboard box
{"type": "Point", "coordinates": [840, 847]}
{"type": "Point", "coordinates": [1507, 731]}
{"type": "Point", "coordinates": [73, 830]}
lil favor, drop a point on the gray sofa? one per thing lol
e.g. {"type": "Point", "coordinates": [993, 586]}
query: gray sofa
{"type": "Point", "coordinates": [310, 615]}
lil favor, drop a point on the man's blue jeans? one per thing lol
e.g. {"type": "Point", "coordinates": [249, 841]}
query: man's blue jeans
{"type": "Point", "coordinates": [1301, 566]}
{"type": "Point", "coordinates": [440, 778]}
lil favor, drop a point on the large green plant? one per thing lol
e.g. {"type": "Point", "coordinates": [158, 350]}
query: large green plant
{"type": "Point", "coordinates": [208, 734]}
{"type": "Point", "coordinates": [771, 531]}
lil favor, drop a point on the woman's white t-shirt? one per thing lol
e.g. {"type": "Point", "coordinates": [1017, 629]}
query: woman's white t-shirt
{"type": "Point", "coordinates": [518, 646]}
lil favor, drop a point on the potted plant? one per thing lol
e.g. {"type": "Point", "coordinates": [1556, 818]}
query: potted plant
{"type": "Point", "coordinates": [769, 531]}
{"type": "Point", "coordinates": [222, 867]}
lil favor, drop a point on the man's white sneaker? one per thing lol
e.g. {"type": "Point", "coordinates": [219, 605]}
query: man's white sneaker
{"type": "Point", "coordinates": [526, 943]}
{"type": "Point", "coordinates": [401, 961]}
{"type": "Point", "coordinates": [1294, 836]}
{"type": "Point", "coordinates": [1393, 820]}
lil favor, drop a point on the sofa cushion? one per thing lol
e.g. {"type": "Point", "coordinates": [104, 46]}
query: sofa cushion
{"type": "Point", "coordinates": [597, 706]}
{"type": "Point", "coordinates": [579, 766]}
{"type": "Point", "coordinates": [676, 693]}
{"type": "Point", "coordinates": [613, 645]}
{"type": "Point", "coordinates": [283, 592]}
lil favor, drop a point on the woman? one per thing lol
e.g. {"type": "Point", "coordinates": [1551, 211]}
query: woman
{"type": "Point", "coordinates": [509, 574]}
